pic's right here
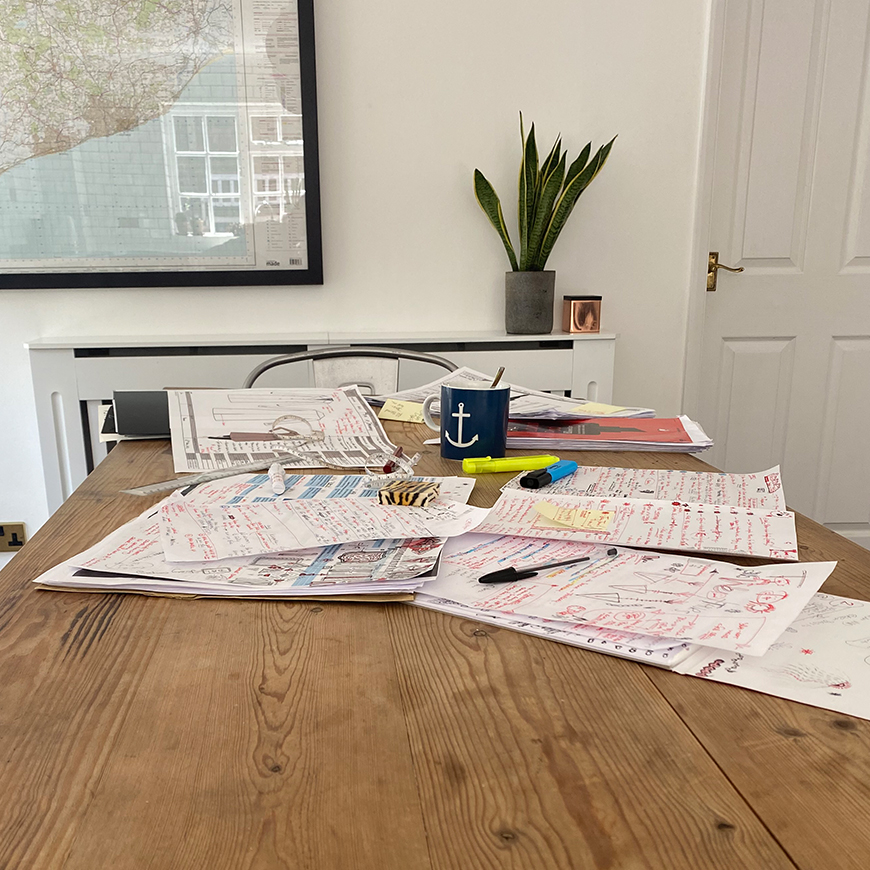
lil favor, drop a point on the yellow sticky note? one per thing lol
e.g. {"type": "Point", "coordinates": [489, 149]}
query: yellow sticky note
{"type": "Point", "coordinates": [597, 409]}
{"type": "Point", "coordinates": [406, 412]}
{"type": "Point", "coordinates": [576, 518]}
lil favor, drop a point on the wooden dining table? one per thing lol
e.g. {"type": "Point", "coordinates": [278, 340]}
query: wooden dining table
{"type": "Point", "coordinates": [152, 732]}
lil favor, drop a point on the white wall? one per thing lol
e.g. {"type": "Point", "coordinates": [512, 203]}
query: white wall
{"type": "Point", "coordinates": [412, 98]}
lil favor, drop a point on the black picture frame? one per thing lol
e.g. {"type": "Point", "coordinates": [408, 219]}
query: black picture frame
{"type": "Point", "coordinates": [144, 278]}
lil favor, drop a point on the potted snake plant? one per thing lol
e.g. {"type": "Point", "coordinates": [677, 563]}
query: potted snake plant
{"type": "Point", "coordinates": [548, 192]}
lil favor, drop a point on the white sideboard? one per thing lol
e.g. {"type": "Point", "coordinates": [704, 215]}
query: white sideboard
{"type": "Point", "coordinates": [72, 376]}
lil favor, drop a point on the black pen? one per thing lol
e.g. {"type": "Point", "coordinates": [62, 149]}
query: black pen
{"type": "Point", "coordinates": [506, 575]}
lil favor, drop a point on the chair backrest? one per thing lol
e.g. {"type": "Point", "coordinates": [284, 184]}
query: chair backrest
{"type": "Point", "coordinates": [374, 369]}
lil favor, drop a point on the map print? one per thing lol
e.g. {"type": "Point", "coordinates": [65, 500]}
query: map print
{"type": "Point", "coordinates": [155, 136]}
{"type": "Point", "coordinates": [73, 71]}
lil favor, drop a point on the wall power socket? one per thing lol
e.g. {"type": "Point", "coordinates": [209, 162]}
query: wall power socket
{"type": "Point", "coordinates": [11, 537]}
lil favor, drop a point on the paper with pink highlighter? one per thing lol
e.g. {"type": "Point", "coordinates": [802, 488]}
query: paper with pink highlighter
{"type": "Point", "coordinates": [651, 523]}
{"type": "Point", "coordinates": [670, 596]}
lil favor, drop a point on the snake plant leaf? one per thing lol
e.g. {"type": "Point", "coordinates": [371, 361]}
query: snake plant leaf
{"type": "Point", "coordinates": [579, 164]}
{"type": "Point", "coordinates": [544, 172]}
{"type": "Point", "coordinates": [489, 202]}
{"type": "Point", "coordinates": [547, 167]}
{"type": "Point", "coordinates": [550, 187]}
{"type": "Point", "coordinates": [606, 149]}
{"type": "Point", "coordinates": [568, 200]}
{"type": "Point", "coordinates": [528, 184]}
{"type": "Point", "coordinates": [521, 182]}
{"type": "Point", "coordinates": [552, 160]}
{"type": "Point", "coordinates": [546, 196]}
{"type": "Point", "coordinates": [581, 181]}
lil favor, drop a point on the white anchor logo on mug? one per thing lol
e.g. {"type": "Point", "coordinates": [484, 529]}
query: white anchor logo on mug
{"type": "Point", "coordinates": [473, 419]}
{"type": "Point", "coordinates": [460, 416]}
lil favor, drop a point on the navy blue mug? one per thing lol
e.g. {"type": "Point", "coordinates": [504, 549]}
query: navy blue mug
{"type": "Point", "coordinates": [473, 422]}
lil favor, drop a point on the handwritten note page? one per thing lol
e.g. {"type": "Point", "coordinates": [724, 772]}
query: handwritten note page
{"type": "Point", "coordinates": [662, 652]}
{"type": "Point", "coordinates": [659, 525]}
{"type": "Point", "coordinates": [136, 550]}
{"type": "Point", "coordinates": [669, 596]}
{"type": "Point", "coordinates": [193, 532]}
{"type": "Point", "coordinates": [762, 489]}
{"type": "Point", "coordinates": [257, 487]}
{"type": "Point", "coordinates": [821, 659]}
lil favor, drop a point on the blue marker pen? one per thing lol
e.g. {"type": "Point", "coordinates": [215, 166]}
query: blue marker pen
{"type": "Point", "coordinates": [543, 476]}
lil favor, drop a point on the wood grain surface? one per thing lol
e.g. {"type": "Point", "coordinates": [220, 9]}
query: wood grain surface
{"type": "Point", "coordinates": [143, 732]}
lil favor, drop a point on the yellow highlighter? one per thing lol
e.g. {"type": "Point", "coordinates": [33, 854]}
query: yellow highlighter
{"type": "Point", "coordinates": [486, 464]}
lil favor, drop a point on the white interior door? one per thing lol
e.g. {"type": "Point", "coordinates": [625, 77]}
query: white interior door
{"type": "Point", "coordinates": [785, 375]}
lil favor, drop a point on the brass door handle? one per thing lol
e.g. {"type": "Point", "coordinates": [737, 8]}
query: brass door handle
{"type": "Point", "coordinates": [713, 266]}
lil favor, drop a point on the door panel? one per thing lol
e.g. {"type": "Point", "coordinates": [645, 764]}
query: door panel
{"type": "Point", "coordinates": [845, 471]}
{"type": "Point", "coordinates": [786, 357]}
{"type": "Point", "coordinates": [756, 383]}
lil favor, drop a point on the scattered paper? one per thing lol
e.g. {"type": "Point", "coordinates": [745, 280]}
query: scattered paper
{"type": "Point", "coordinates": [332, 427]}
{"type": "Point", "coordinates": [192, 532]}
{"type": "Point", "coordinates": [762, 489]}
{"type": "Point", "coordinates": [821, 659]}
{"type": "Point", "coordinates": [658, 525]}
{"type": "Point", "coordinates": [524, 402]}
{"type": "Point", "coordinates": [677, 597]}
{"type": "Point", "coordinates": [404, 412]}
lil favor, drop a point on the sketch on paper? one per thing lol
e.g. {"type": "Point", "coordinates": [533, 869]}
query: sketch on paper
{"type": "Point", "coordinates": [216, 429]}
{"type": "Point", "coordinates": [667, 596]}
{"type": "Point", "coordinates": [820, 659]}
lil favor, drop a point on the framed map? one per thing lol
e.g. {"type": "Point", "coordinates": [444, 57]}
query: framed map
{"type": "Point", "coordinates": [156, 143]}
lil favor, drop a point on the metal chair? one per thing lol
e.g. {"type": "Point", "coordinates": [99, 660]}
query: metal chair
{"type": "Point", "coordinates": [375, 369]}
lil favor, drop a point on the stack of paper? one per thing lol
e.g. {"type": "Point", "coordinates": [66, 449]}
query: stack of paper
{"type": "Point", "coordinates": [217, 429]}
{"type": "Point", "coordinates": [760, 491]}
{"type": "Point", "coordinates": [662, 434]}
{"type": "Point", "coordinates": [662, 600]}
{"type": "Point", "coordinates": [326, 535]}
{"type": "Point", "coordinates": [662, 652]}
{"type": "Point", "coordinates": [765, 628]}
{"type": "Point", "coordinates": [528, 536]}
{"type": "Point", "coordinates": [655, 524]}
{"type": "Point", "coordinates": [525, 403]}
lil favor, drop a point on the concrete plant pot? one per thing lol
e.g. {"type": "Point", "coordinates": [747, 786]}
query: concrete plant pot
{"type": "Point", "coordinates": [528, 302]}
